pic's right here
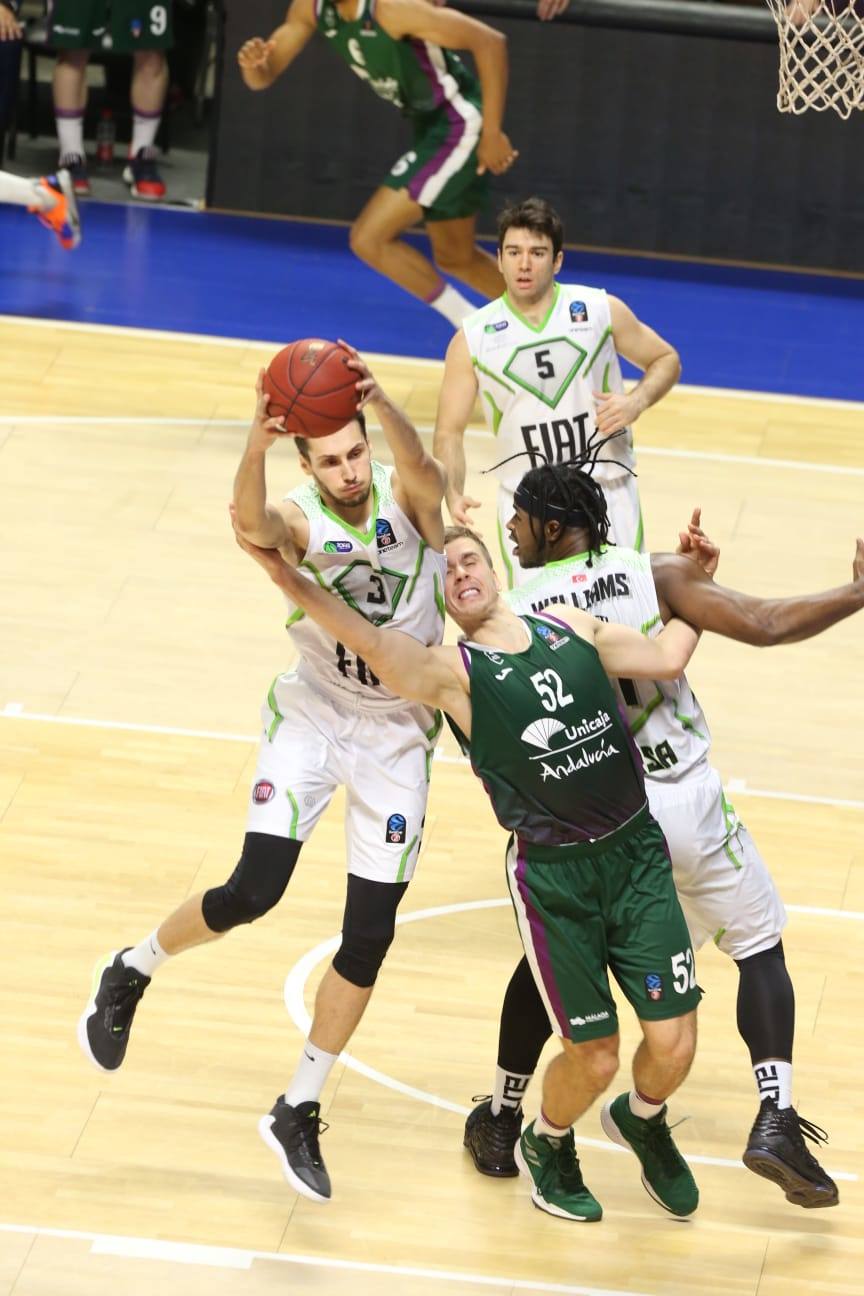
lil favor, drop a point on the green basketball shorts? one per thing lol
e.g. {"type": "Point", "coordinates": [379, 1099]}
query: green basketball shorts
{"type": "Point", "coordinates": [588, 908]}
{"type": "Point", "coordinates": [440, 170]}
{"type": "Point", "coordinates": [132, 24]}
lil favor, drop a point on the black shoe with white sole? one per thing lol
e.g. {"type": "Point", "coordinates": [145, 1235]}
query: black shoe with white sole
{"type": "Point", "coordinates": [104, 1026]}
{"type": "Point", "coordinates": [292, 1133]}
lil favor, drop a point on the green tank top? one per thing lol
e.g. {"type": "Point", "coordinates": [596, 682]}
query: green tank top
{"type": "Point", "coordinates": [548, 739]}
{"type": "Point", "coordinates": [415, 75]}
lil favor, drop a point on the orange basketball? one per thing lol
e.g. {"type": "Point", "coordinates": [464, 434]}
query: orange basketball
{"type": "Point", "coordinates": [309, 384]}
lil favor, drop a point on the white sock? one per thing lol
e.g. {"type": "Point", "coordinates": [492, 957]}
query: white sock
{"type": "Point", "coordinates": [645, 1107]}
{"type": "Point", "coordinates": [147, 956]}
{"type": "Point", "coordinates": [310, 1076]}
{"type": "Point", "coordinates": [452, 305]}
{"type": "Point", "coordinates": [774, 1080]}
{"type": "Point", "coordinates": [24, 193]}
{"type": "Point", "coordinates": [546, 1129]}
{"type": "Point", "coordinates": [144, 128]}
{"type": "Point", "coordinates": [509, 1089]}
{"type": "Point", "coordinates": [70, 134]}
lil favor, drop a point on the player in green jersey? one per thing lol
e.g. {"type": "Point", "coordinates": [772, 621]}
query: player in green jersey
{"type": "Point", "coordinates": [403, 50]}
{"type": "Point", "coordinates": [588, 868]}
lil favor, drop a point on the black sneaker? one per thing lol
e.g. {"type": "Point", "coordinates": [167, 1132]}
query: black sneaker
{"type": "Point", "coordinates": [75, 164]}
{"type": "Point", "coordinates": [491, 1139]}
{"type": "Point", "coordinates": [103, 1028]}
{"type": "Point", "coordinates": [142, 174]}
{"type": "Point", "coordinates": [777, 1151]}
{"type": "Point", "coordinates": [292, 1133]}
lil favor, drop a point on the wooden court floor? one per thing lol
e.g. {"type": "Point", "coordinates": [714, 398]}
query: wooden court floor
{"type": "Point", "coordinates": [137, 645]}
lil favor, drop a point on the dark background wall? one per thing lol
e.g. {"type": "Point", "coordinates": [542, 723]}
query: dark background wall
{"type": "Point", "coordinates": [650, 140]}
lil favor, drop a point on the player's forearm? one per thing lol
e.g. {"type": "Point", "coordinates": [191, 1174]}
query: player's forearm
{"type": "Point", "coordinates": [490, 56]}
{"type": "Point", "coordinates": [416, 468]}
{"type": "Point", "coordinates": [449, 449]}
{"type": "Point", "coordinates": [250, 501]}
{"type": "Point", "coordinates": [674, 647]}
{"type": "Point", "coordinates": [782, 621]}
{"type": "Point", "coordinates": [659, 378]}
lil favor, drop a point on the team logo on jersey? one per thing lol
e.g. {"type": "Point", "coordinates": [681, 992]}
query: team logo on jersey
{"type": "Point", "coordinates": [397, 828]}
{"type": "Point", "coordinates": [578, 312]}
{"type": "Point", "coordinates": [578, 578]}
{"type": "Point", "coordinates": [384, 537]}
{"type": "Point", "coordinates": [262, 792]}
{"type": "Point", "coordinates": [654, 985]}
{"type": "Point", "coordinates": [136, 27]}
{"type": "Point", "coordinates": [552, 638]}
{"type": "Point", "coordinates": [338, 546]}
{"type": "Point", "coordinates": [496, 327]}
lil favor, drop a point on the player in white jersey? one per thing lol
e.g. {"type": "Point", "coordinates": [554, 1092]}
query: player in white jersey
{"type": "Point", "coordinates": [559, 528]}
{"type": "Point", "coordinates": [544, 360]}
{"type": "Point", "coordinates": [373, 535]}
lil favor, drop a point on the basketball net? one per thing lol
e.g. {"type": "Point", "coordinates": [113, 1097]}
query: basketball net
{"type": "Point", "coordinates": [821, 55]}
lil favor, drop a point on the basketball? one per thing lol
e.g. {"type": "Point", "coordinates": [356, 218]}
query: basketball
{"type": "Point", "coordinates": [309, 384]}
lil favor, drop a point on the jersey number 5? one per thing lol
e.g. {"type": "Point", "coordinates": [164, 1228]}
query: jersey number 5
{"type": "Point", "coordinates": [550, 686]}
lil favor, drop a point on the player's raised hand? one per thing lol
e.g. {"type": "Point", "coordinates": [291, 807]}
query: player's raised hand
{"type": "Point", "coordinates": [549, 9]}
{"type": "Point", "coordinates": [615, 411]}
{"type": "Point", "coordinates": [264, 429]}
{"type": "Point", "coordinates": [694, 543]}
{"type": "Point", "coordinates": [254, 59]}
{"type": "Point", "coordinates": [459, 506]}
{"type": "Point", "coordinates": [495, 153]}
{"type": "Point", "coordinates": [368, 390]}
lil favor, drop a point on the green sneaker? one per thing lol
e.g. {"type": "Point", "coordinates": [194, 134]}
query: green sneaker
{"type": "Point", "coordinates": [553, 1167]}
{"type": "Point", "coordinates": [665, 1174]}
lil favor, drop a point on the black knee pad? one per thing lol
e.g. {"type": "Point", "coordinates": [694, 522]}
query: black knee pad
{"type": "Point", "coordinates": [256, 885]}
{"type": "Point", "coordinates": [367, 928]}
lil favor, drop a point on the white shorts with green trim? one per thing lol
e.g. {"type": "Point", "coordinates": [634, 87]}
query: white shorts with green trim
{"type": "Point", "coordinates": [625, 517]}
{"type": "Point", "coordinates": [725, 890]}
{"type": "Point", "coordinates": [313, 742]}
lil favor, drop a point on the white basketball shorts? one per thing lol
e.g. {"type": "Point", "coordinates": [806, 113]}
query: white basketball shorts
{"type": "Point", "coordinates": [313, 742]}
{"type": "Point", "coordinates": [725, 890]}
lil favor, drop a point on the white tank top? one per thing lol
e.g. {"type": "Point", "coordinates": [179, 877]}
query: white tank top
{"type": "Point", "coordinates": [536, 382]}
{"type": "Point", "coordinates": [388, 572]}
{"type": "Point", "coordinates": [665, 718]}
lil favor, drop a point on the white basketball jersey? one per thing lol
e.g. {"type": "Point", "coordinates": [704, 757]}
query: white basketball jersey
{"type": "Point", "coordinates": [664, 717]}
{"type": "Point", "coordinates": [387, 572]}
{"type": "Point", "coordinates": [536, 382]}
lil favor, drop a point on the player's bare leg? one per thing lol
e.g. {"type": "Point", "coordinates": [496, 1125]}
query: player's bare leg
{"type": "Point", "coordinates": [70, 100]}
{"type": "Point", "coordinates": [375, 239]}
{"type": "Point", "coordinates": [149, 88]}
{"type": "Point", "coordinates": [457, 253]}
{"type": "Point", "coordinates": [638, 1120]}
{"type": "Point", "coordinates": [339, 1005]}
{"type": "Point", "coordinates": [185, 927]}
{"type": "Point", "coordinates": [576, 1077]}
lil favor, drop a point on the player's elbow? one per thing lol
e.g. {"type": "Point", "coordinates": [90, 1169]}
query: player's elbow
{"type": "Point", "coordinates": [490, 41]}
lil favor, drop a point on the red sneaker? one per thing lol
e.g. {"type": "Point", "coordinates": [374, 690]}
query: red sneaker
{"type": "Point", "coordinates": [142, 174]}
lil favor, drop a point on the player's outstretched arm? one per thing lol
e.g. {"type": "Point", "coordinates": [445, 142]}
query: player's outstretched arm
{"type": "Point", "coordinates": [419, 476]}
{"type": "Point", "coordinates": [252, 516]}
{"type": "Point", "coordinates": [262, 61]}
{"type": "Point", "coordinates": [404, 665]}
{"type": "Point", "coordinates": [626, 652]}
{"type": "Point", "coordinates": [453, 30]}
{"type": "Point", "coordinates": [763, 622]}
{"type": "Point", "coordinates": [648, 351]}
{"type": "Point", "coordinates": [455, 403]}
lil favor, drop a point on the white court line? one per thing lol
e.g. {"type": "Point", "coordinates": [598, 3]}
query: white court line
{"type": "Point", "coordinates": [236, 1258]}
{"type": "Point", "coordinates": [122, 330]}
{"type": "Point", "coordinates": [480, 434]}
{"type": "Point", "coordinates": [15, 711]}
{"type": "Point", "coordinates": [294, 990]}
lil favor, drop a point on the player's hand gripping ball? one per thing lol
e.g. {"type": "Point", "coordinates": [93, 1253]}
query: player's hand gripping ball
{"type": "Point", "coordinates": [309, 384]}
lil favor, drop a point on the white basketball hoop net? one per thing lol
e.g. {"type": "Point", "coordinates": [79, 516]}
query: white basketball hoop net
{"type": "Point", "coordinates": [821, 55]}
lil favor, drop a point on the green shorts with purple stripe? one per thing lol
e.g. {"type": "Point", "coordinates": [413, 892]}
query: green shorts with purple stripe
{"type": "Point", "coordinates": [132, 24]}
{"type": "Point", "coordinates": [439, 171]}
{"type": "Point", "coordinates": [587, 909]}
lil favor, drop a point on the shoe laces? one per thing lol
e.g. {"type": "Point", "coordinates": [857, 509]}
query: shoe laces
{"type": "Point", "coordinates": [306, 1134]}
{"type": "Point", "coordinates": [563, 1169]}
{"type": "Point", "coordinates": [123, 998]}
{"type": "Point", "coordinates": [144, 163]}
{"type": "Point", "coordinates": [785, 1120]}
{"type": "Point", "coordinates": [661, 1144]}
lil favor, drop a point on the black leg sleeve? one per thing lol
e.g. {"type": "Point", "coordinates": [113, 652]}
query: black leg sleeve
{"type": "Point", "coordinates": [524, 1024]}
{"type": "Point", "coordinates": [766, 1005]}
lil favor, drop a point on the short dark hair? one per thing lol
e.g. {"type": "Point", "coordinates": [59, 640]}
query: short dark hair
{"type": "Point", "coordinates": [302, 443]}
{"type": "Point", "coordinates": [534, 214]}
{"type": "Point", "coordinates": [460, 532]}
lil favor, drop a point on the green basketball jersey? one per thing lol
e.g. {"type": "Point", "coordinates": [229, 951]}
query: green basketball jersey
{"type": "Point", "coordinates": [415, 75]}
{"type": "Point", "coordinates": [547, 738]}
